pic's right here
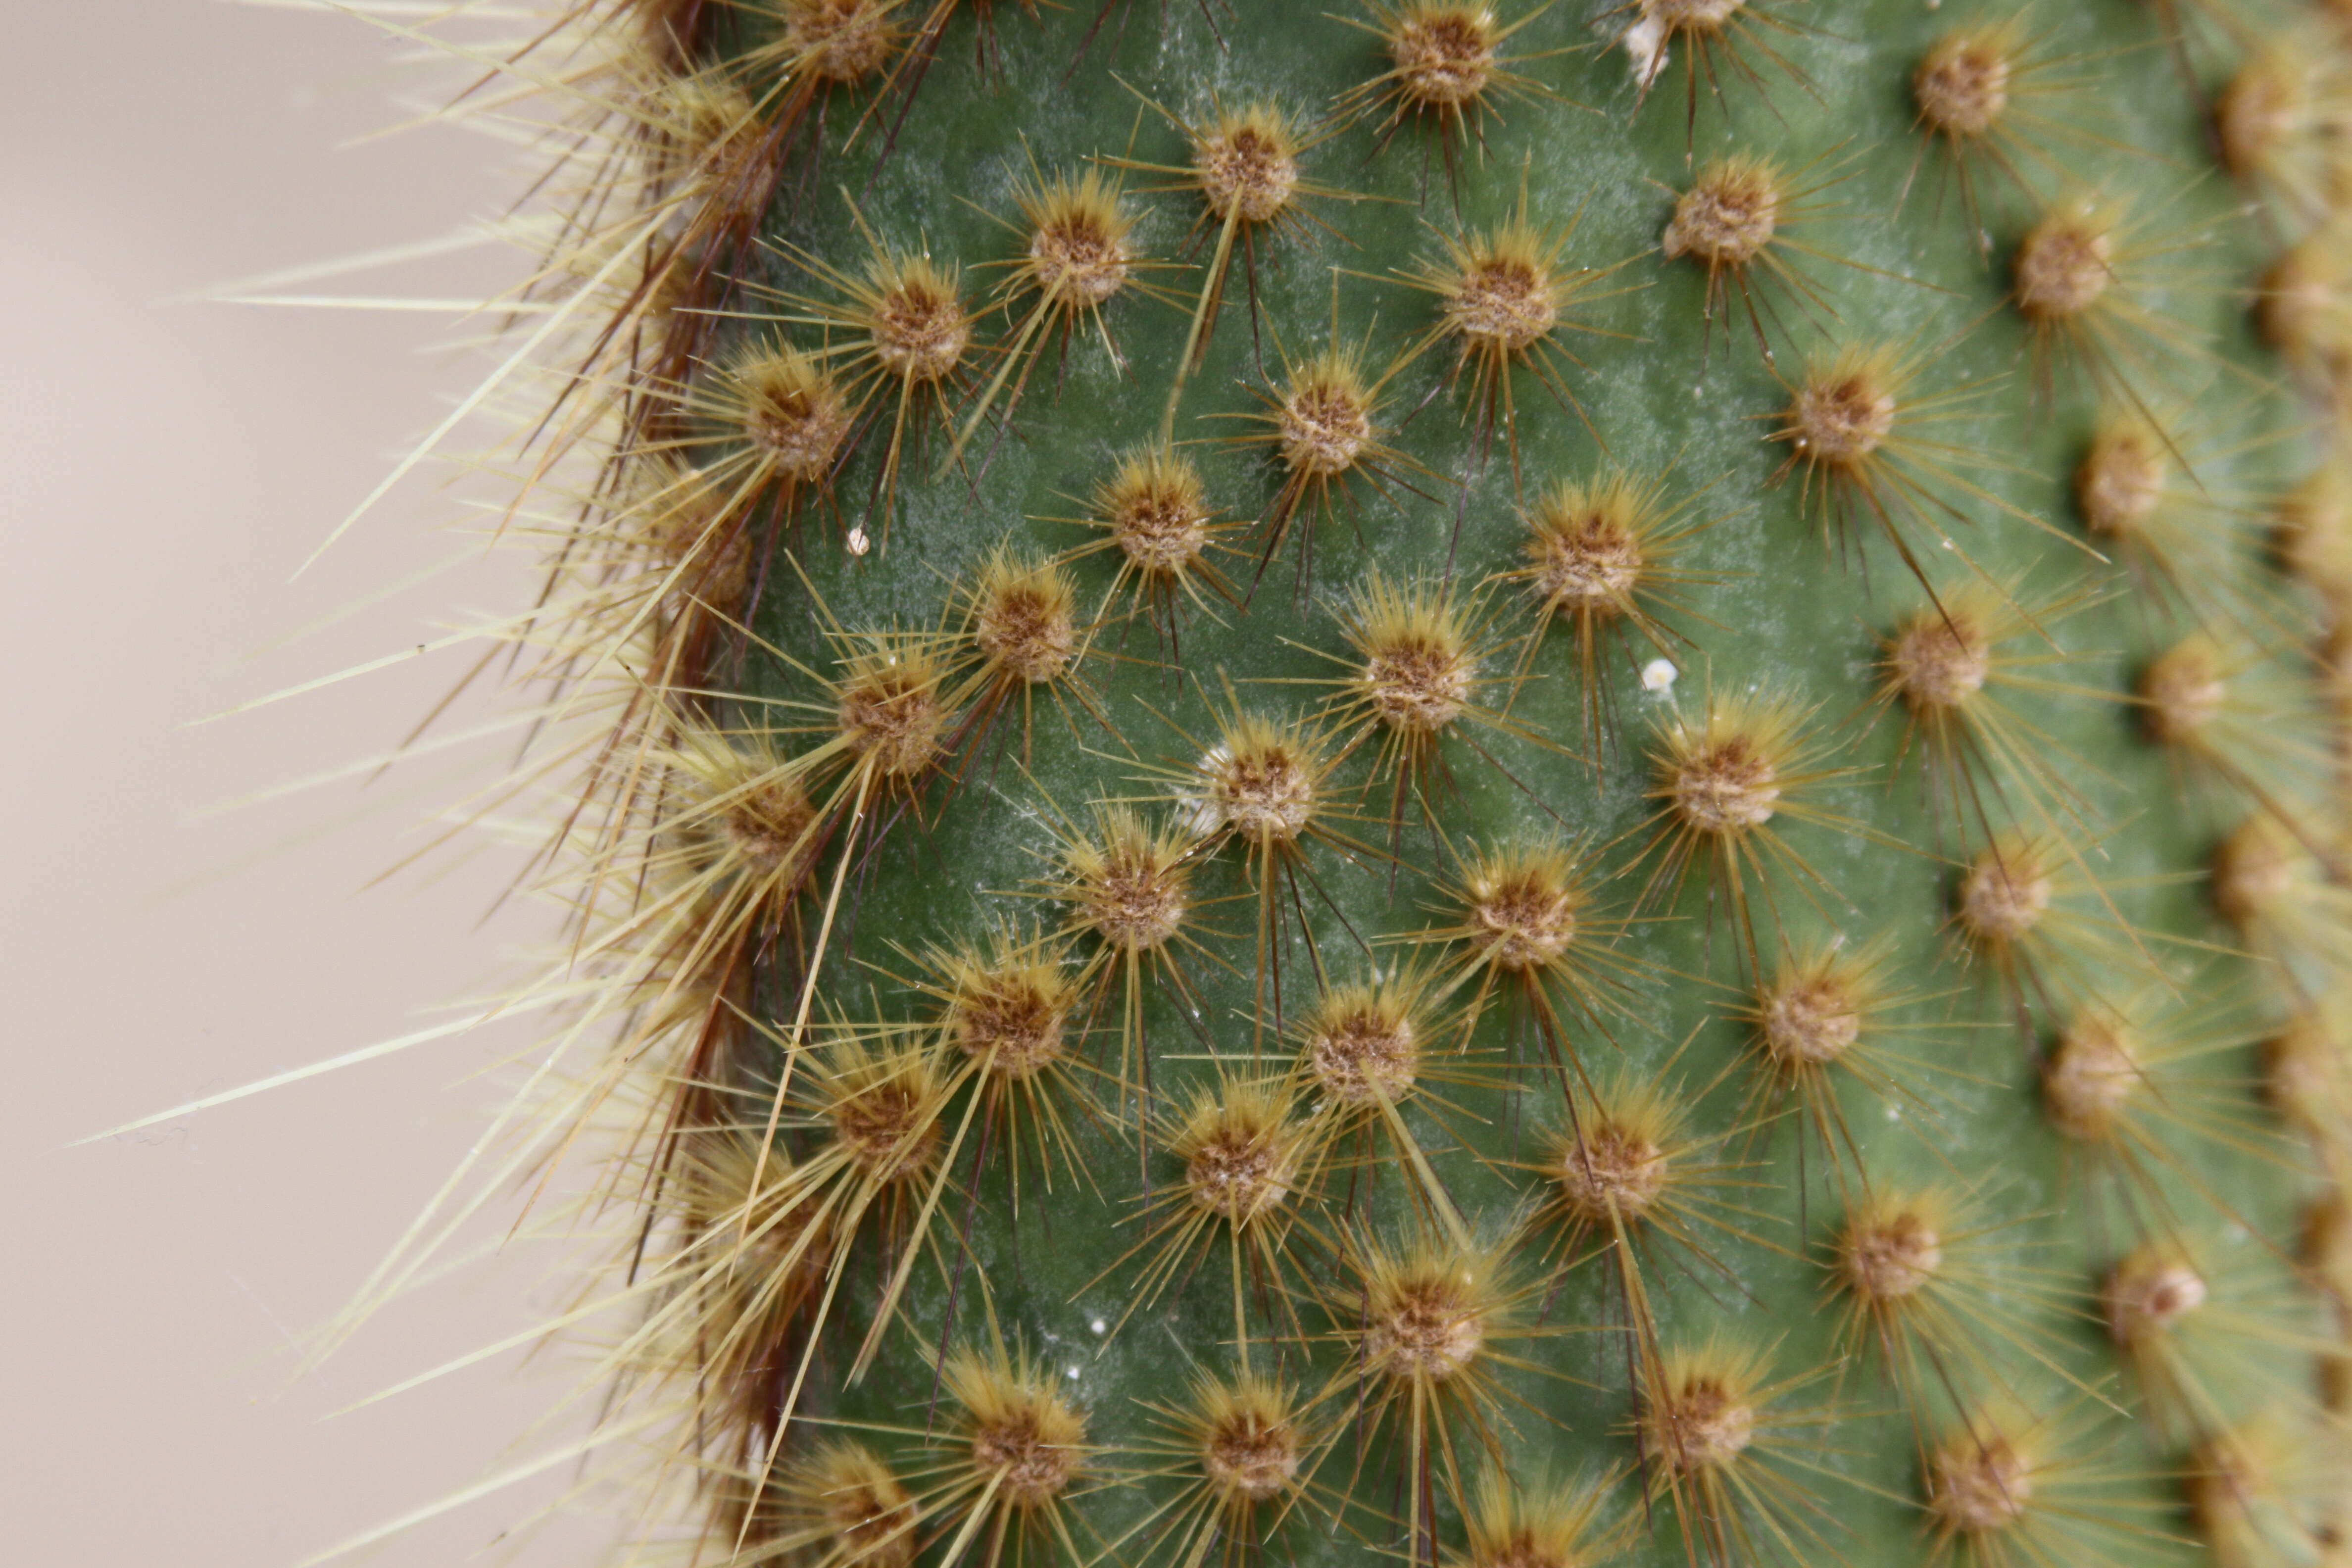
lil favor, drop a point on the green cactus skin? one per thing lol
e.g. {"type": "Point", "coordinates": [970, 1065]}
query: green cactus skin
{"type": "Point", "coordinates": [1978, 1075]}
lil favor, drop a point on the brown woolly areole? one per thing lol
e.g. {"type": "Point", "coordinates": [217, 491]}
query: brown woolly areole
{"type": "Point", "coordinates": [1522, 910]}
{"type": "Point", "coordinates": [711, 553]}
{"type": "Point", "coordinates": [769, 822]}
{"type": "Point", "coordinates": [1614, 1171]}
{"type": "Point", "coordinates": [2120, 481]}
{"type": "Point", "coordinates": [787, 1241]}
{"type": "Point", "coordinates": [1425, 1323]}
{"type": "Point", "coordinates": [1727, 216]}
{"type": "Point", "coordinates": [2305, 309]}
{"type": "Point", "coordinates": [2254, 871]}
{"type": "Point", "coordinates": [2182, 693]}
{"type": "Point", "coordinates": [1247, 167]}
{"type": "Point", "coordinates": [2004, 893]}
{"type": "Point", "coordinates": [2148, 1294]}
{"type": "Point", "coordinates": [1360, 1044]}
{"type": "Point", "coordinates": [2062, 265]}
{"type": "Point", "coordinates": [1523, 1547]}
{"type": "Point", "coordinates": [1024, 623]}
{"type": "Point", "coordinates": [1939, 660]}
{"type": "Point", "coordinates": [1156, 512]}
{"type": "Point", "coordinates": [1698, 16]}
{"type": "Point", "coordinates": [891, 713]}
{"type": "Point", "coordinates": [2305, 1076]}
{"type": "Point", "coordinates": [1237, 1167]}
{"type": "Point", "coordinates": [1030, 1446]}
{"type": "Point", "coordinates": [1251, 1452]}
{"type": "Point", "coordinates": [1841, 415]}
{"type": "Point", "coordinates": [1262, 783]}
{"type": "Point", "coordinates": [1808, 1020]}
{"type": "Point", "coordinates": [1978, 1486]}
{"type": "Point", "coordinates": [1131, 889]}
{"type": "Point", "coordinates": [1584, 558]}
{"type": "Point", "coordinates": [1417, 679]}
{"type": "Point", "coordinates": [841, 41]}
{"type": "Point", "coordinates": [2260, 110]}
{"type": "Point", "coordinates": [1078, 251]}
{"type": "Point", "coordinates": [918, 327]}
{"type": "Point", "coordinates": [1889, 1256]}
{"type": "Point", "coordinates": [1962, 84]}
{"type": "Point", "coordinates": [794, 415]}
{"type": "Point", "coordinates": [1324, 422]}
{"type": "Point", "coordinates": [1724, 786]}
{"type": "Point", "coordinates": [2326, 1247]}
{"type": "Point", "coordinates": [679, 509]}
{"type": "Point", "coordinates": [870, 1519]}
{"type": "Point", "coordinates": [2091, 1076]}
{"type": "Point", "coordinates": [2313, 535]}
{"type": "Point", "coordinates": [888, 1127]}
{"type": "Point", "coordinates": [1696, 1423]}
{"type": "Point", "coordinates": [1443, 54]}
{"type": "Point", "coordinates": [1013, 1019]}
{"type": "Point", "coordinates": [701, 116]}
{"type": "Point", "coordinates": [2234, 1488]}
{"type": "Point", "coordinates": [1500, 300]}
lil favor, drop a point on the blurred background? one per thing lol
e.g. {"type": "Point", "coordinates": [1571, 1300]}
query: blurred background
{"type": "Point", "coordinates": [169, 463]}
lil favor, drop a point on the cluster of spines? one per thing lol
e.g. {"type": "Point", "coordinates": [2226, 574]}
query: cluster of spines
{"type": "Point", "coordinates": [817, 1155]}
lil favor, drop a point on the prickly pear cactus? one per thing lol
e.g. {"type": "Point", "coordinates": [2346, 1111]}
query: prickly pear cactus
{"type": "Point", "coordinates": [1488, 784]}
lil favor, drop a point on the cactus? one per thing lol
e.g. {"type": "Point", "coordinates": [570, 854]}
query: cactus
{"type": "Point", "coordinates": [1450, 780]}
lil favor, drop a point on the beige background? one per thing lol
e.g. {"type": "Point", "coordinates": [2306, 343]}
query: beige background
{"type": "Point", "coordinates": [167, 465]}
